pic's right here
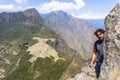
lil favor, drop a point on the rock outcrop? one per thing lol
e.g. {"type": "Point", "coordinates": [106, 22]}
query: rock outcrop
{"type": "Point", "coordinates": [87, 73]}
{"type": "Point", "coordinates": [111, 66]}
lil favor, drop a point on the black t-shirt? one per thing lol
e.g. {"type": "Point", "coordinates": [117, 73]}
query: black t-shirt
{"type": "Point", "coordinates": [98, 49]}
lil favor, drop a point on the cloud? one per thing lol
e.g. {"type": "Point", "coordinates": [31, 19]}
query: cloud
{"type": "Point", "coordinates": [91, 15]}
{"type": "Point", "coordinates": [6, 7]}
{"type": "Point", "coordinates": [10, 8]}
{"type": "Point", "coordinates": [20, 1]}
{"type": "Point", "coordinates": [57, 5]}
{"type": "Point", "coordinates": [18, 8]}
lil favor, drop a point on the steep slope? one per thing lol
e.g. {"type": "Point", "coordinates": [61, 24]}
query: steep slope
{"type": "Point", "coordinates": [19, 61]}
{"type": "Point", "coordinates": [77, 33]}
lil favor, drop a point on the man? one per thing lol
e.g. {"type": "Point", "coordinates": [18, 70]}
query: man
{"type": "Point", "coordinates": [98, 51]}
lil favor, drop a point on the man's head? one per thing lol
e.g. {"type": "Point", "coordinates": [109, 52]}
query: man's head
{"type": "Point", "coordinates": [100, 33]}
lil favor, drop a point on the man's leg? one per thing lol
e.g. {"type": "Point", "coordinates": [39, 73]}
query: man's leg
{"type": "Point", "coordinates": [97, 69]}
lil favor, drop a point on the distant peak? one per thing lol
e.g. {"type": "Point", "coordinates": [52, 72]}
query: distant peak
{"type": "Point", "coordinates": [61, 13]}
{"type": "Point", "coordinates": [31, 12]}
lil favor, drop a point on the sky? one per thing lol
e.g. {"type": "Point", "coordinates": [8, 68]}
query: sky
{"type": "Point", "coordinates": [84, 9]}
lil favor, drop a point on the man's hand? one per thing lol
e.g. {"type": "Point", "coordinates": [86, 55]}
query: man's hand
{"type": "Point", "coordinates": [93, 59]}
{"type": "Point", "coordinates": [91, 64]}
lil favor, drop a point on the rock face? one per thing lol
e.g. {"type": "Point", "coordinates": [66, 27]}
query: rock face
{"type": "Point", "coordinates": [111, 66]}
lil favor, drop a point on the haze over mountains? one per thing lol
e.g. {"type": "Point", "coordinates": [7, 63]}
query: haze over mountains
{"type": "Point", "coordinates": [98, 23]}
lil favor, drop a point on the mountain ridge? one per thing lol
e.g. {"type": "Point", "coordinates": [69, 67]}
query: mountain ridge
{"type": "Point", "coordinates": [73, 30]}
{"type": "Point", "coordinates": [17, 36]}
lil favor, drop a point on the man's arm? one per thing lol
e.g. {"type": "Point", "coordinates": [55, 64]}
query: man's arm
{"type": "Point", "coordinates": [93, 59]}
